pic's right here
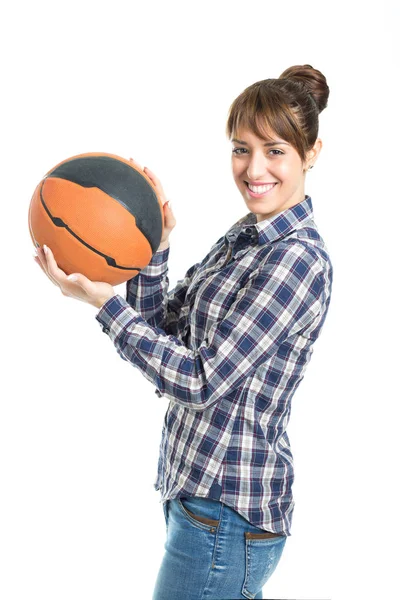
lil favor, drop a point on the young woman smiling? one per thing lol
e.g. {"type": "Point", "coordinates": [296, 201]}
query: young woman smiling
{"type": "Point", "coordinates": [228, 347]}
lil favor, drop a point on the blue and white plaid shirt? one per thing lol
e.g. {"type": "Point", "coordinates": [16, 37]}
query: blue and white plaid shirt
{"type": "Point", "coordinates": [228, 347]}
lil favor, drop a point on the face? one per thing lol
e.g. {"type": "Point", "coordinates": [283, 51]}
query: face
{"type": "Point", "coordinates": [257, 161]}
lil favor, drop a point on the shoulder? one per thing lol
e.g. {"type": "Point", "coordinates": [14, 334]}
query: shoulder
{"type": "Point", "coordinates": [300, 267]}
{"type": "Point", "coordinates": [294, 254]}
{"type": "Point", "coordinates": [291, 269]}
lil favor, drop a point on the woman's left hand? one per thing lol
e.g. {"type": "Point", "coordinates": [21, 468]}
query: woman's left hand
{"type": "Point", "coordinates": [95, 293]}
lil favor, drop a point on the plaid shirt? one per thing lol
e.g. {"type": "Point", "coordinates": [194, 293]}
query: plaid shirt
{"type": "Point", "coordinates": [228, 347]}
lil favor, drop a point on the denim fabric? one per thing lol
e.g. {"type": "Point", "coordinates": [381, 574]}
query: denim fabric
{"type": "Point", "coordinates": [213, 560]}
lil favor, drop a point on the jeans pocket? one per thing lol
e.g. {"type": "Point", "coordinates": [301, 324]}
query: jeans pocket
{"type": "Point", "coordinates": [263, 551]}
{"type": "Point", "coordinates": [200, 512]}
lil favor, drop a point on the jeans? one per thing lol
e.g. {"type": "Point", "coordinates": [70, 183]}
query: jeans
{"type": "Point", "coordinates": [213, 553]}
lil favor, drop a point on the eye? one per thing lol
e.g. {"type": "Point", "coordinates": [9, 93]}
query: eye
{"type": "Point", "coordinates": [236, 151]}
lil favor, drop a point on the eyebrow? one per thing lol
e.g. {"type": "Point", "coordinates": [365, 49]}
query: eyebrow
{"type": "Point", "coordinates": [266, 144]}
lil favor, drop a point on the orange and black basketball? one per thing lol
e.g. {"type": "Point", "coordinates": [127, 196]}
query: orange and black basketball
{"type": "Point", "coordinates": [99, 215]}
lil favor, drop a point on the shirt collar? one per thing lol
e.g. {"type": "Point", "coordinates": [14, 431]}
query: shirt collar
{"type": "Point", "coordinates": [278, 226]}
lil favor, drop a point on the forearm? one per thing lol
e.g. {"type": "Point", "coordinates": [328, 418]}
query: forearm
{"type": "Point", "coordinates": [147, 292]}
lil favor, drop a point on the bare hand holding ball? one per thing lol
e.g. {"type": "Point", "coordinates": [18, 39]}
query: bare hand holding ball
{"type": "Point", "coordinates": [79, 287]}
{"type": "Point", "coordinates": [169, 219]}
{"type": "Point", "coordinates": [92, 208]}
{"type": "Point", "coordinates": [100, 215]}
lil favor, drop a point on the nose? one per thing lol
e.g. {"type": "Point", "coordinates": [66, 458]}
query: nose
{"type": "Point", "coordinates": [257, 167]}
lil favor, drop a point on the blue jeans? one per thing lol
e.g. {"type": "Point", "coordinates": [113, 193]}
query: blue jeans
{"type": "Point", "coordinates": [213, 553]}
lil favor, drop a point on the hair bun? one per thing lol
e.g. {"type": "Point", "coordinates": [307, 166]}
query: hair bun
{"type": "Point", "coordinates": [314, 81]}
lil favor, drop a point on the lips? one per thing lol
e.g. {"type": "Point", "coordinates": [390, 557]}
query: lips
{"type": "Point", "coordinates": [261, 183]}
{"type": "Point", "coordinates": [261, 194]}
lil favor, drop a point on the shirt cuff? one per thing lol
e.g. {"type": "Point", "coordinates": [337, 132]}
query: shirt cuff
{"type": "Point", "coordinates": [156, 266]}
{"type": "Point", "coordinates": [109, 312]}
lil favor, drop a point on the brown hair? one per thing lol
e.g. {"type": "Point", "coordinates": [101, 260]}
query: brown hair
{"type": "Point", "coordinates": [288, 106]}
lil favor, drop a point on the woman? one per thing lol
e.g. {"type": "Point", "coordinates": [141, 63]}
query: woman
{"type": "Point", "coordinates": [228, 347]}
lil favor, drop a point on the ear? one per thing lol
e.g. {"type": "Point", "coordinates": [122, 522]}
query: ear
{"type": "Point", "coordinates": [313, 154]}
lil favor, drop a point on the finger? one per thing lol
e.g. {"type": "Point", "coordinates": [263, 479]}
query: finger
{"type": "Point", "coordinates": [156, 182]}
{"type": "Point", "coordinates": [54, 270]}
{"type": "Point", "coordinates": [43, 263]}
{"type": "Point", "coordinates": [151, 174]}
{"type": "Point", "coordinates": [37, 261]}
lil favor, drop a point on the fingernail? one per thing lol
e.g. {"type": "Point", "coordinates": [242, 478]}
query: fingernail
{"type": "Point", "coordinates": [72, 278]}
{"type": "Point", "coordinates": [45, 248]}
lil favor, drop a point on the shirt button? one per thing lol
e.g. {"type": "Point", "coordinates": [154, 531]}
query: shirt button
{"type": "Point", "coordinates": [248, 230]}
{"type": "Point", "coordinates": [106, 329]}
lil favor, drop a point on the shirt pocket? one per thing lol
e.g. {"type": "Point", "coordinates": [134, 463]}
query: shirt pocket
{"type": "Point", "coordinates": [263, 552]}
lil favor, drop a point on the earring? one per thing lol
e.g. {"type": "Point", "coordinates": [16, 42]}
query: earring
{"type": "Point", "coordinates": [310, 167]}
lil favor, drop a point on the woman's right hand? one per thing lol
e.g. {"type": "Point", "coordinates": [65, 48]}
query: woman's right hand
{"type": "Point", "coordinates": [169, 219]}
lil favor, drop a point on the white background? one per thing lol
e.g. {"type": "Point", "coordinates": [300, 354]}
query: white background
{"type": "Point", "coordinates": [79, 427]}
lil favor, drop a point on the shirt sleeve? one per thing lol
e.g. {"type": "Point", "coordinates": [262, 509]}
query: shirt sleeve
{"type": "Point", "coordinates": [148, 292]}
{"type": "Point", "coordinates": [281, 297]}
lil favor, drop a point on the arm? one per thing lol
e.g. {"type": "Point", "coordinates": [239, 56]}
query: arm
{"type": "Point", "coordinates": [148, 292]}
{"type": "Point", "coordinates": [282, 296]}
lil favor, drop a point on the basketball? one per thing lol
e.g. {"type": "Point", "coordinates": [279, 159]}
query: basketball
{"type": "Point", "coordinates": [99, 215]}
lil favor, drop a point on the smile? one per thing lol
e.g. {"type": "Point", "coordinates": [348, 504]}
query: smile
{"type": "Point", "coordinates": [262, 190]}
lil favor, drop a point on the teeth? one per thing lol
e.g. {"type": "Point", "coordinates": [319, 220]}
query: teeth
{"type": "Point", "coordinates": [261, 189]}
